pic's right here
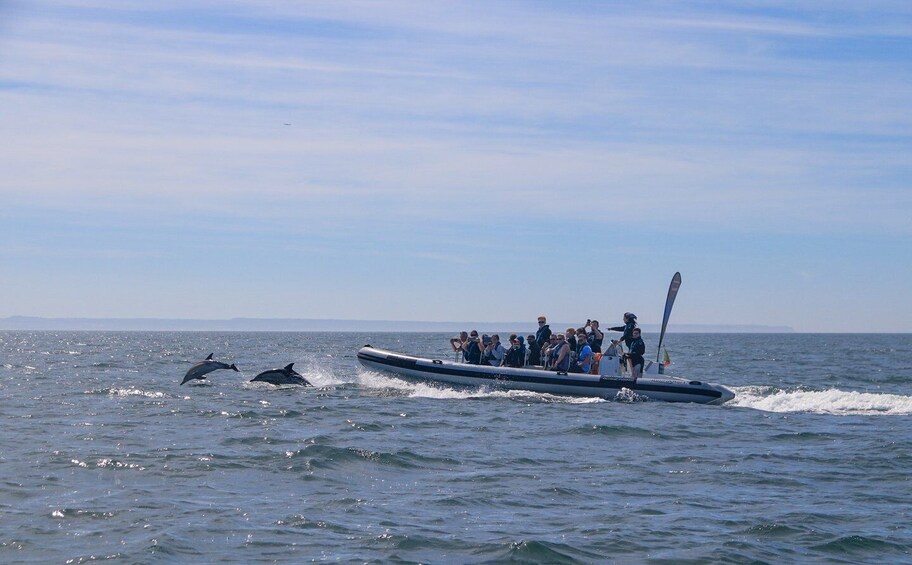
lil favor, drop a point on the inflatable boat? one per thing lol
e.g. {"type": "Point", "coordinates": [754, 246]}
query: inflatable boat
{"type": "Point", "coordinates": [608, 384]}
{"type": "Point", "coordinates": [611, 381]}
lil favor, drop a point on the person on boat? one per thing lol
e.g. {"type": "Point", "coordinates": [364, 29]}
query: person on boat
{"type": "Point", "coordinates": [494, 352]}
{"type": "Point", "coordinates": [472, 351]}
{"type": "Point", "coordinates": [560, 355]}
{"type": "Point", "coordinates": [459, 343]}
{"type": "Point", "coordinates": [634, 356]}
{"type": "Point", "coordinates": [584, 354]}
{"type": "Point", "coordinates": [547, 350]}
{"type": "Point", "coordinates": [629, 324]}
{"type": "Point", "coordinates": [581, 340]}
{"type": "Point", "coordinates": [570, 336]}
{"type": "Point", "coordinates": [543, 335]}
{"type": "Point", "coordinates": [595, 336]}
{"type": "Point", "coordinates": [534, 351]}
{"type": "Point", "coordinates": [516, 355]}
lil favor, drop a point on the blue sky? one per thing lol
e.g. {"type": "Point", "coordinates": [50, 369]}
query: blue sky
{"type": "Point", "coordinates": [458, 160]}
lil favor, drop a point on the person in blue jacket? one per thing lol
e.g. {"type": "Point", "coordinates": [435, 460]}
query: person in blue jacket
{"type": "Point", "coordinates": [584, 355]}
{"type": "Point", "coordinates": [543, 335]}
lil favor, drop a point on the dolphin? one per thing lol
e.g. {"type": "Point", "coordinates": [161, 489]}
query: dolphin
{"type": "Point", "coordinates": [201, 369]}
{"type": "Point", "coordinates": [285, 376]}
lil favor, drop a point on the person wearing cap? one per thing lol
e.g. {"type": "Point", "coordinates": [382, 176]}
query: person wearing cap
{"type": "Point", "coordinates": [629, 324]}
{"type": "Point", "coordinates": [516, 355]}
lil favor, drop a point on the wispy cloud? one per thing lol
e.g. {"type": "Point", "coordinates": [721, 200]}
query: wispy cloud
{"type": "Point", "coordinates": [332, 120]}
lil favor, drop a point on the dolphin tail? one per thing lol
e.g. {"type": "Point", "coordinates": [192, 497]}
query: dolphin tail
{"type": "Point", "coordinates": [234, 367]}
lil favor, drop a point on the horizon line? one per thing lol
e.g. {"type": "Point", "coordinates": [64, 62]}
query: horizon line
{"type": "Point", "coordinates": [19, 322]}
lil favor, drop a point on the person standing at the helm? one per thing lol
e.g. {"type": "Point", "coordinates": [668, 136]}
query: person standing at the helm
{"type": "Point", "coordinates": [630, 322]}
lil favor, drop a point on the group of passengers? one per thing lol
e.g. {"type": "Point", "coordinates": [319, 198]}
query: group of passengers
{"type": "Point", "coordinates": [575, 351]}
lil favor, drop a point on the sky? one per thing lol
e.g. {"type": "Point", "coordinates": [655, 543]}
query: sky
{"type": "Point", "coordinates": [458, 160]}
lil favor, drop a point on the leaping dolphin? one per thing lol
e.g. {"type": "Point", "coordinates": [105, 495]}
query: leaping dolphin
{"type": "Point", "coordinates": [285, 376]}
{"type": "Point", "coordinates": [201, 369]}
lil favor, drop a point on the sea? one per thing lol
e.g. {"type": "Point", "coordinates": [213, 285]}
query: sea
{"type": "Point", "coordinates": [106, 457]}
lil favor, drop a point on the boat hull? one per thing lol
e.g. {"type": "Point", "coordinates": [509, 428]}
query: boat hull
{"type": "Point", "coordinates": [668, 389]}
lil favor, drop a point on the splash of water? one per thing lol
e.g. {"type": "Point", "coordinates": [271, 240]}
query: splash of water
{"type": "Point", "coordinates": [133, 391]}
{"type": "Point", "coordinates": [373, 379]}
{"type": "Point", "coordinates": [831, 401]}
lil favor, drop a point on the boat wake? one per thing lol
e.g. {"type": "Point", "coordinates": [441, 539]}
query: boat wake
{"type": "Point", "coordinates": [371, 379]}
{"type": "Point", "coordinates": [832, 401]}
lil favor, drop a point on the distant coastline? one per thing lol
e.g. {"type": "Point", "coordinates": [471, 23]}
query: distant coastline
{"type": "Point", "coordinates": [305, 324]}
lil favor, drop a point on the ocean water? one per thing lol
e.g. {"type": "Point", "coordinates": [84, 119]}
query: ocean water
{"type": "Point", "coordinates": [105, 457]}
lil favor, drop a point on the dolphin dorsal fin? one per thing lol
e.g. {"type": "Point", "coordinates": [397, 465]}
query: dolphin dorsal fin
{"type": "Point", "coordinates": [209, 358]}
{"type": "Point", "coordinates": [289, 366]}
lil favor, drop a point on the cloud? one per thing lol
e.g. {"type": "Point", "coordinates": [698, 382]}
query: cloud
{"type": "Point", "coordinates": [696, 117]}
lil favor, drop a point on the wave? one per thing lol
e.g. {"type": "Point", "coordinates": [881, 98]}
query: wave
{"type": "Point", "coordinates": [128, 391]}
{"type": "Point", "coordinates": [832, 401]}
{"type": "Point", "coordinates": [374, 380]}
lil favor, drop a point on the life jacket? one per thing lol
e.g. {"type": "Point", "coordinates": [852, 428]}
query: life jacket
{"type": "Point", "coordinates": [473, 353]}
{"type": "Point", "coordinates": [636, 350]}
{"type": "Point", "coordinates": [564, 365]}
{"type": "Point", "coordinates": [490, 355]}
{"type": "Point", "coordinates": [596, 359]}
{"type": "Point", "coordinates": [542, 335]}
{"type": "Point", "coordinates": [515, 357]}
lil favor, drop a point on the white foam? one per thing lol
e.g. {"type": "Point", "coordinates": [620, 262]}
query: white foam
{"type": "Point", "coordinates": [372, 379]}
{"type": "Point", "coordinates": [118, 464]}
{"type": "Point", "coordinates": [627, 395]}
{"type": "Point", "coordinates": [320, 375]}
{"type": "Point", "coordinates": [316, 373]}
{"type": "Point", "coordinates": [831, 401]}
{"type": "Point", "coordinates": [136, 392]}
